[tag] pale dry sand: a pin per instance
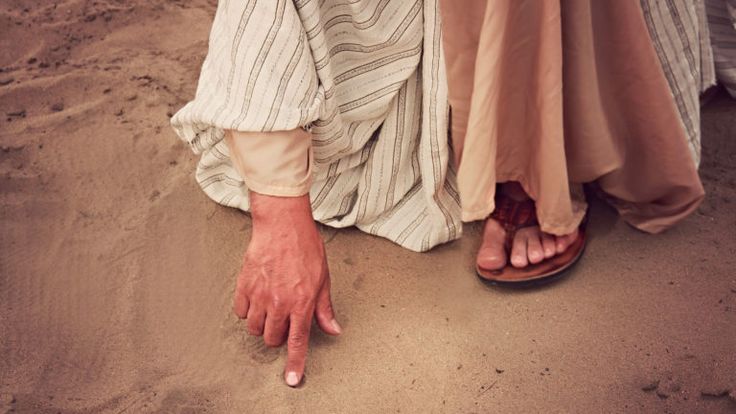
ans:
(117, 272)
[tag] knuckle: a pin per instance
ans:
(255, 330)
(305, 301)
(327, 306)
(241, 289)
(277, 302)
(272, 342)
(298, 340)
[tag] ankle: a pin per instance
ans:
(513, 190)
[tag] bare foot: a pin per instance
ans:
(530, 245)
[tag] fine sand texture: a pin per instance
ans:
(117, 273)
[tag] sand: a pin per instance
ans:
(116, 272)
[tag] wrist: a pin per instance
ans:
(266, 209)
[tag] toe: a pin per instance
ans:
(491, 258)
(492, 254)
(534, 248)
(548, 245)
(519, 251)
(563, 242)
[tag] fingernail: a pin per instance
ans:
(336, 326)
(292, 379)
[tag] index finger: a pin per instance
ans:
(299, 325)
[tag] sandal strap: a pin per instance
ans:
(513, 215)
(525, 214)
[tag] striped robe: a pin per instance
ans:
(679, 32)
(368, 78)
(722, 19)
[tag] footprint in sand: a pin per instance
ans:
(691, 381)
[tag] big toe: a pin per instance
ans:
(492, 253)
(491, 258)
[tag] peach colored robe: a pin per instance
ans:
(557, 93)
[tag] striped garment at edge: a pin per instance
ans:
(679, 32)
(368, 75)
(722, 19)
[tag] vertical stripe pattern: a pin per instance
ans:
(679, 32)
(368, 76)
(722, 21)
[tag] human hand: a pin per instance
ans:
(285, 280)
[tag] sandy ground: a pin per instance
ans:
(117, 272)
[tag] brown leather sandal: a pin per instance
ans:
(514, 215)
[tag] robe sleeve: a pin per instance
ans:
(259, 75)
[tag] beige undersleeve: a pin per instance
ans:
(273, 163)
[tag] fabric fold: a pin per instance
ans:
(367, 76)
(564, 93)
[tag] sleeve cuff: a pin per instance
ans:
(274, 163)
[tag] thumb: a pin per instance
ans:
(324, 312)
